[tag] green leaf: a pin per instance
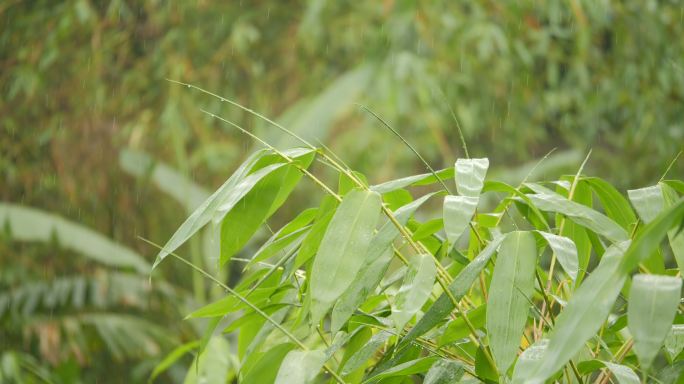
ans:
(674, 343)
(243, 216)
(509, 297)
(414, 290)
(30, 224)
(300, 367)
(675, 236)
(613, 202)
(444, 372)
(265, 366)
(457, 329)
(312, 241)
(584, 314)
(458, 211)
(343, 249)
(232, 190)
(459, 287)
(405, 369)
(358, 359)
(649, 238)
(623, 373)
(375, 265)
(470, 175)
(653, 301)
(648, 202)
(212, 365)
(548, 200)
(415, 180)
(565, 251)
(172, 358)
(528, 360)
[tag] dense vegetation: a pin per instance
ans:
(98, 150)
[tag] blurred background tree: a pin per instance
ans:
(91, 130)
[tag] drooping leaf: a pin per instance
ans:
(583, 315)
(674, 235)
(623, 373)
(212, 365)
(509, 297)
(422, 179)
(172, 358)
(459, 287)
(358, 359)
(30, 224)
(470, 175)
(565, 252)
(457, 329)
(414, 290)
(674, 342)
(458, 211)
(444, 371)
(528, 360)
(648, 202)
(233, 190)
(653, 301)
(375, 265)
(405, 369)
(312, 241)
(548, 200)
(242, 217)
(614, 203)
(265, 366)
(300, 367)
(343, 249)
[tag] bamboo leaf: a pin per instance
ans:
(674, 343)
(264, 368)
(358, 359)
(510, 291)
(623, 373)
(470, 175)
(584, 314)
(528, 360)
(300, 367)
(343, 249)
(613, 202)
(404, 369)
(458, 211)
(414, 291)
(415, 180)
(375, 265)
(649, 202)
(653, 301)
(457, 329)
(444, 372)
(565, 251)
(233, 189)
(548, 200)
(459, 287)
(674, 235)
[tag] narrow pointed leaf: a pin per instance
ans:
(343, 249)
(653, 301)
(614, 203)
(622, 373)
(458, 211)
(548, 200)
(300, 367)
(583, 315)
(459, 287)
(470, 175)
(414, 291)
(404, 369)
(648, 202)
(674, 343)
(205, 212)
(375, 265)
(358, 359)
(509, 297)
(565, 252)
(674, 235)
(422, 179)
(528, 361)
(444, 372)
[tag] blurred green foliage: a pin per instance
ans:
(83, 79)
